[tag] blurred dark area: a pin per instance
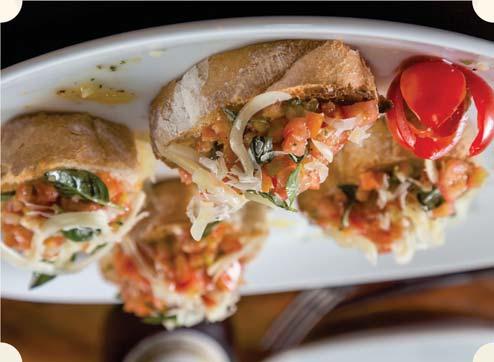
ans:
(45, 26)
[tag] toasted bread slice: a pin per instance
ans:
(328, 70)
(35, 143)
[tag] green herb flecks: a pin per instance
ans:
(38, 279)
(274, 199)
(159, 319)
(292, 185)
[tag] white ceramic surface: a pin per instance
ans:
(296, 255)
(453, 343)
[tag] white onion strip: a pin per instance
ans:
(255, 105)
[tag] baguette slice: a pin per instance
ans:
(35, 143)
(328, 70)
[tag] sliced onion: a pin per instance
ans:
(343, 125)
(359, 135)
(431, 171)
(324, 149)
(319, 167)
(255, 105)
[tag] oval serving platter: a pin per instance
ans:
(297, 255)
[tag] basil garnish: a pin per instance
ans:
(274, 199)
(72, 182)
(292, 185)
(79, 234)
(350, 192)
(159, 319)
(430, 199)
(7, 195)
(296, 159)
(231, 114)
(262, 149)
(38, 279)
(209, 228)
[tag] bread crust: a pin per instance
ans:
(35, 143)
(304, 68)
(167, 203)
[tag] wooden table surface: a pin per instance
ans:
(61, 333)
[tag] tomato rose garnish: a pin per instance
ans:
(430, 98)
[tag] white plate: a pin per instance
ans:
(452, 342)
(296, 256)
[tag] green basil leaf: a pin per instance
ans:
(38, 279)
(79, 234)
(430, 199)
(274, 199)
(292, 185)
(262, 149)
(7, 195)
(231, 114)
(209, 228)
(159, 319)
(72, 182)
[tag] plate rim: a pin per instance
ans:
(234, 28)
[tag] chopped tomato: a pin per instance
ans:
(267, 182)
(314, 123)
(16, 236)
(39, 193)
(185, 177)
(367, 111)
(477, 177)
(115, 187)
(230, 277)
(453, 178)
(295, 135)
(230, 244)
(444, 210)
(371, 180)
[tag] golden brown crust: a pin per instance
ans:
(35, 143)
(304, 68)
(167, 202)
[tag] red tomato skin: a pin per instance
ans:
(422, 86)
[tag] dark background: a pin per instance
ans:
(44, 26)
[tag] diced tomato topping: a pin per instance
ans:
(229, 279)
(185, 177)
(295, 135)
(371, 180)
(16, 236)
(444, 210)
(230, 244)
(453, 178)
(115, 187)
(367, 111)
(477, 177)
(39, 193)
(314, 123)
